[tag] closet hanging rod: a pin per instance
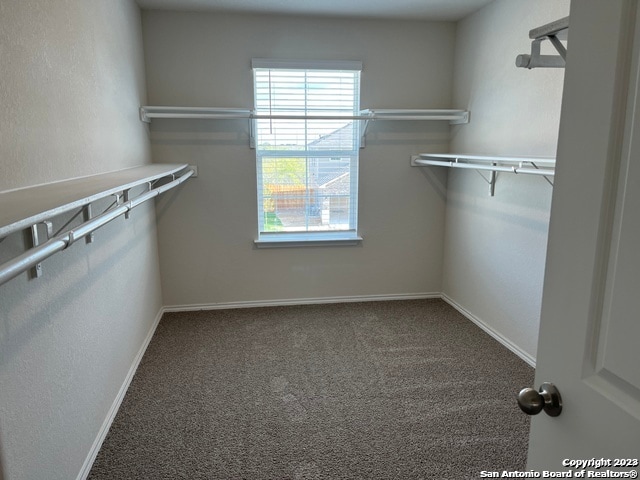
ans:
(493, 159)
(509, 159)
(480, 166)
(34, 256)
(149, 112)
(554, 32)
(490, 163)
(23, 207)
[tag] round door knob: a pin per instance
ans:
(548, 398)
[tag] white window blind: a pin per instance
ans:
(307, 165)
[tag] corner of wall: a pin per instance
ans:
(495, 247)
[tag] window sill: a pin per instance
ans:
(280, 240)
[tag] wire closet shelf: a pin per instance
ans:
(32, 209)
(541, 166)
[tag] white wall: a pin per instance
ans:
(495, 246)
(207, 232)
(71, 82)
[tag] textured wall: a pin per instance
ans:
(495, 247)
(206, 235)
(71, 81)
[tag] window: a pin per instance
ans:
(307, 166)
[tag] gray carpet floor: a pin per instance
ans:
(376, 390)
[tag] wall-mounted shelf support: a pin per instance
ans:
(491, 181)
(125, 199)
(454, 117)
(554, 32)
(493, 164)
(36, 270)
(26, 208)
(87, 214)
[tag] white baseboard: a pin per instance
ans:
(359, 298)
(111, 415)
(489, 330)
(299, 301)
(93, 453)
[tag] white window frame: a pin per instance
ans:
(348, 236)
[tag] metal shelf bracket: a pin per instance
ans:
(554, 32)
(36, 270)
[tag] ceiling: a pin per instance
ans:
(440, 10)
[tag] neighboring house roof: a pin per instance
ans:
(339, 185)
(329, 171)
(340, 139)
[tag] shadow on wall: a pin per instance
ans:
(437, 178)
(191, 132)
(165, 201)
(428, 134)
(236, 132)
(533, 215)
(14, 337)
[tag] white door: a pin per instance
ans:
(589, 343)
